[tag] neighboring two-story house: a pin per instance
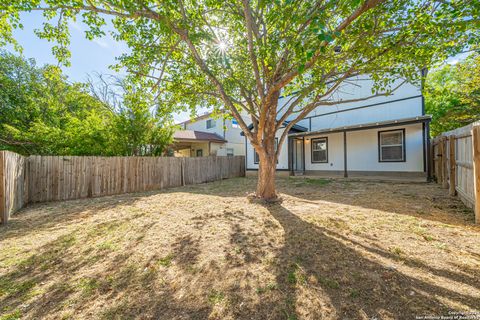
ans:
(385, 135)
(207, 135)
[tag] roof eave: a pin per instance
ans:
(367, 126)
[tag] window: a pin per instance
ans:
(199, 153)
(229, 151)
(211, 123)
(235, 124)
(320, 150)
(256, 158)
(391, 146)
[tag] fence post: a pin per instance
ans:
(3, 207)
(476, 170)
(452, 164)
(444, 164)
(440, 160)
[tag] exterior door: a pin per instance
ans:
(298, 155)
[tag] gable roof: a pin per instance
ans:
(192, 135)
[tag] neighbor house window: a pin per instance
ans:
(211, 123)
(235, 123)
(391, 145)
(320, 150)
(199, 153)
(229, 151)
(256, 158)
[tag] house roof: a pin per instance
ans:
(365, 126)
(294, 129)
(191, 135)
(207, 114)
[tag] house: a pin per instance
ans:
(385, 135)
(208, 135)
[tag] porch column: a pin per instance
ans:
(290, 155)
(303, 154)
(345, 172)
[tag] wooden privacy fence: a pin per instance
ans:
(456, 164)
(51, 178)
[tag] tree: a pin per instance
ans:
(141, 127)
(243, 55)
(452, 95)
(42, 113)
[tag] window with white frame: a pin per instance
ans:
(256, 157)
(391, 145)
(320, 150)
(229, 151)
(211, 123)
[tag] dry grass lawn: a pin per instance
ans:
(330, 250)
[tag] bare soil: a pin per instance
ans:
(329, 250)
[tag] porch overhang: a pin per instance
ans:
(187, 144)
(300, 136)
(366, 126)
(183, 139)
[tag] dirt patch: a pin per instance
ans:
(329, 250)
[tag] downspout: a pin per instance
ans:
(345, 170)
(426, 132)
(303, 154)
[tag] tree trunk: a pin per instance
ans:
(266, 177)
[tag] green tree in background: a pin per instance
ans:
(452, 95)
(138, 132)
(42, 113)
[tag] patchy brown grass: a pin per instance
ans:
(330, 250)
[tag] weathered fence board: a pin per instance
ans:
(56, 178)
(457, 164)
(13, 184)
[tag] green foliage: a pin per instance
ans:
(210, 54)
(42, 113)
(242, 55)
(452, 95)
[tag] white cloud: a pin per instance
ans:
(75, 25)
(101, 43)
(453, 62)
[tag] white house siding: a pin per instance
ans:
(362, 145)
(335, 153)
(388, 111)
(282, 160)
(405, 102)
(362, 150)
(225, 129)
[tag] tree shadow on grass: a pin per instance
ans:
(323, 277)
(411, 199)
(53, 215)
(59, 277)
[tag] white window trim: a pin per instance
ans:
(313, 150)
(213, 122)
(381, 146)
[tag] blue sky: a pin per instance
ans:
(88, 56)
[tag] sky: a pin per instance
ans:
(88, 57)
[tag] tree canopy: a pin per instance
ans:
(244, 54)
(452, 95)
(42, 113)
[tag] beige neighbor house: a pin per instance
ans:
(191, 143)
(208, 136)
